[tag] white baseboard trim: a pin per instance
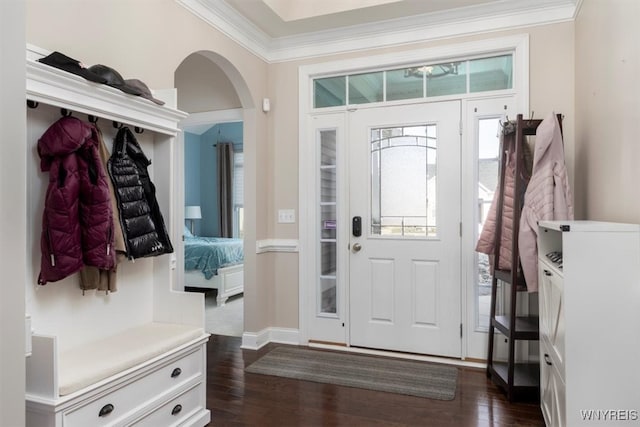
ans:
(257, 340)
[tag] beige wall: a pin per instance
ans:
(151, 45)
(608, 110)
(203, 86)
(551, 89)
(148, 40)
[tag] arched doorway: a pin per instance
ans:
(214, 93)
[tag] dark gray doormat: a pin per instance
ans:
(414, 378)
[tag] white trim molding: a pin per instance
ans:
(276, 245)
(490, 17)
(228, 21)
(257, 340)
(198, 123)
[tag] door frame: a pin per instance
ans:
(307, 156)
(475, 342)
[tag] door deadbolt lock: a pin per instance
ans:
(356, 247)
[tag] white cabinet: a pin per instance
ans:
(135, 356)
(589, 322)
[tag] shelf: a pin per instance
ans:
(505, 276)
(58, 88)
(526, 377)
(527, 327)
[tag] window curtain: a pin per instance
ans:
(225, 187)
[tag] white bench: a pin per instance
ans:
(149, 374)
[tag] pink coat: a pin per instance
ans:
(487, 240)
(548, 196)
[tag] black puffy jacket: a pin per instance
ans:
(144, 230)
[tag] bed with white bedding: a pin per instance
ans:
(214, 263)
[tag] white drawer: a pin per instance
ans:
(552, 390)
(177, 410)
(128, 399)
(551, 311)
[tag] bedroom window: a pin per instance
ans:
(238, 194)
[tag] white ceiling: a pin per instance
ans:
(274, 23)
(281, 30)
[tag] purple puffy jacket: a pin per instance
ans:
(77, 223)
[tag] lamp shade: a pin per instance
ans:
(192, 212)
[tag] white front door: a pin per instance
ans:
(404, 195)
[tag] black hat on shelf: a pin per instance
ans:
(70, 65)
(143, 90)
(112, 78)
(130, 86)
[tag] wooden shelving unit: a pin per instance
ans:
(518, 379)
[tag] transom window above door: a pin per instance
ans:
(456, 77)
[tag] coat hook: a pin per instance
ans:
(530, 118)
(117, 125)
(65, 112)
(32, 104)
(138, 129)
(93, 119)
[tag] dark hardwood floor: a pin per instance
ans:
(236, 398)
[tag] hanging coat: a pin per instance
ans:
(548, 196)
(142, 224)
(77, 222)
(93, 277)
(487, 241)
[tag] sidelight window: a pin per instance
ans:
(327, 283)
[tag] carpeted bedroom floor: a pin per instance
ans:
(226, 319)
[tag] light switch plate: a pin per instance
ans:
(286, 216)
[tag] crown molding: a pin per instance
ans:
(578, 6)
(415, 29)
(228, 21)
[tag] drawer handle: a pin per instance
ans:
(547, 273)
(176, 372)
(106, 410)
(547, 359)
(176, 409)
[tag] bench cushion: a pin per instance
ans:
(87, 364)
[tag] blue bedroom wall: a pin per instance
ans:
(192, 174)
(203, 153)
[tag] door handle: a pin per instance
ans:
(356, 247)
